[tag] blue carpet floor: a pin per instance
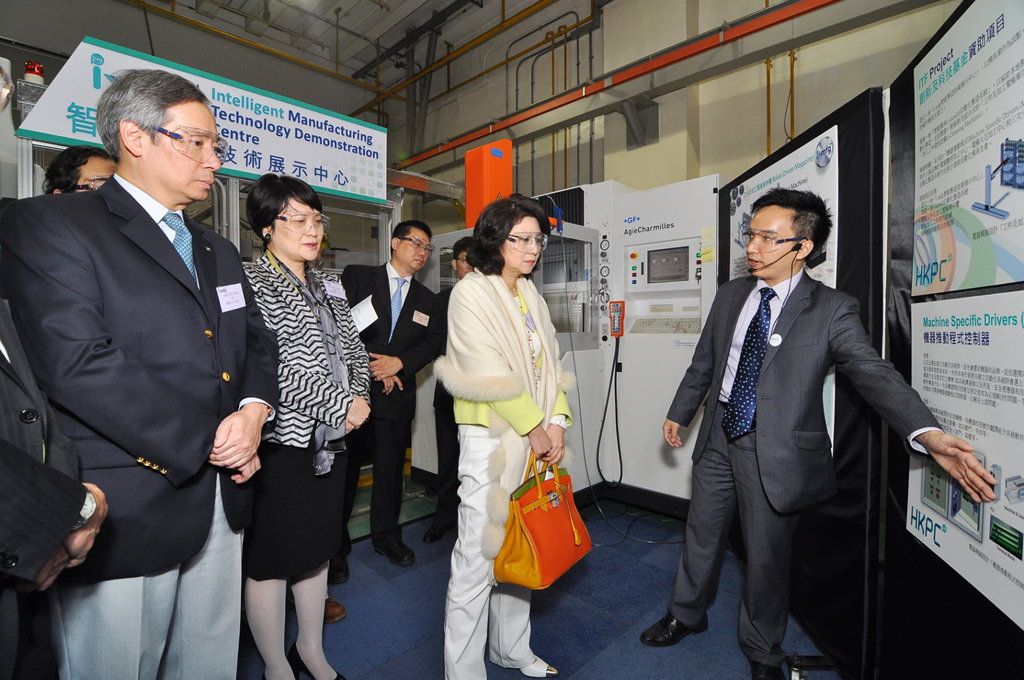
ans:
(587, 624)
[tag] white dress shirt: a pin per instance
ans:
(156, 210)
(782, 293)
(392, 275)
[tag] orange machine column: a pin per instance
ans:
(488, 176)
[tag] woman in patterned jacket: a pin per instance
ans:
(324, 383)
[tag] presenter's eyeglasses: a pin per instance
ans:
(302, 223)
(418, 244)
(528, 243)
(767, 241)
(91, 183)
(196, 144)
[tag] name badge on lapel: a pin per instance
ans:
(334, 289)
(231, 297)
(421, 318)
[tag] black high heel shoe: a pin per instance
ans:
(299, 667)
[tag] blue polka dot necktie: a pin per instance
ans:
(182, 240)
(396, 304)
(739, 414)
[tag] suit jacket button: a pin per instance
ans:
(29, 415)
(225, 376)
(10, 561)
(208, 333)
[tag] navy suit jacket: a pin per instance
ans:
(40, 495)
(414, 343)
(820, 328)
(141, 365)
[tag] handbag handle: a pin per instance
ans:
(531, 467)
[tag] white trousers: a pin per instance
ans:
(179, 624)
(477, 614)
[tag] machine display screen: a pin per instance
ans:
(668, 265)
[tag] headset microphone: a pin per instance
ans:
(796, 247)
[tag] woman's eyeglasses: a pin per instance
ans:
(300, 223)
(527, 244)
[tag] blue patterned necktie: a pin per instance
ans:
(182, 240)
(739, 414)
(396, 304)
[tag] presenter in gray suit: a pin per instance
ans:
(762, 447)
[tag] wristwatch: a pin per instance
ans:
(88, 508)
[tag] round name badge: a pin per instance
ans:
(775, 340)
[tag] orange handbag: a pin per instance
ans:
(544, 534)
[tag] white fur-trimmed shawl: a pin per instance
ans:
(488, 359)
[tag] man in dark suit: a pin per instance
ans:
(762, 447)
(445, 428)
(142, 330)
(404, 338)
(50, 518)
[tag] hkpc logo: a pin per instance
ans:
(926, 526)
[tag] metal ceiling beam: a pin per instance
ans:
(412, 37)
(735, 45)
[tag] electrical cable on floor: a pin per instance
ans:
(612, 383)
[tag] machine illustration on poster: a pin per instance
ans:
(970, 372)
(969, 143)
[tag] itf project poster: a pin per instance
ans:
(970, 372)
(266, 132)
(812, 167)
(969, 142)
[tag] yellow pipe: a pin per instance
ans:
(768, 106)
(792, 95)
(517, 55)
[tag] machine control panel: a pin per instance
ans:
(663, 266)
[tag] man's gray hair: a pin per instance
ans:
(143, 97)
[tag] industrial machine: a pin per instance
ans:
(629, 280)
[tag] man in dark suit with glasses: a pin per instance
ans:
(405, 337)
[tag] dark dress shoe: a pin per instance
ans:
(435, 533)
(399, 553)
(337, 572)
(299, 667)
(762, 671)
(334, 611)
(668, 631)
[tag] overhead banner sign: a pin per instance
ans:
(969, 153)
(969, 370)
(266, 132)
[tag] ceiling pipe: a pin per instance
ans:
(728, 34)
(456, 53)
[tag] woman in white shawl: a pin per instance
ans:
(502, 367)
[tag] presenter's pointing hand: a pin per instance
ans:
(670, 430)
(957, 458)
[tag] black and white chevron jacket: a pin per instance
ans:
(307, 393)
